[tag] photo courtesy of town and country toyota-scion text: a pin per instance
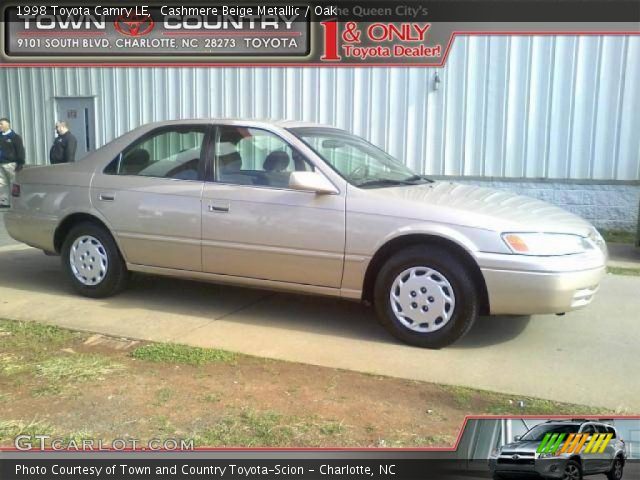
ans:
(320, 239)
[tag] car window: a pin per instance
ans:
(250, 156)
(356, 160)
(612, 431)
(169, 153)
(537, 433)
(601, 429)
(589, 428)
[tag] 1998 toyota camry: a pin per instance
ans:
(306, 208)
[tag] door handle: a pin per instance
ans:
(107, 197)
(219, 208)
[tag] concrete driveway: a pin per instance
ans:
(589, 357)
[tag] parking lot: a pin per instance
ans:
(587, 357)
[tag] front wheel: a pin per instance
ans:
(425, 297)
(616, 470)
(93, 262)
(572, 471)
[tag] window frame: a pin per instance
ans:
(210, 173)
(205, 150)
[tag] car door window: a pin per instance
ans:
(250, 156)
(588, 429)
(169, 153)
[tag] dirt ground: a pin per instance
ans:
(76, 386)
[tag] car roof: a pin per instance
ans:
(251, 121)
(577, 422)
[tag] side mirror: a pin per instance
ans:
(311, 182)
(517, 438)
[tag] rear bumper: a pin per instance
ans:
(527, 286)
(34, 230)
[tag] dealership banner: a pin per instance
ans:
(296, 33)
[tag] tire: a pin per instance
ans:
(617, 469)
(436, 279)
(572, 471)
(104, 273)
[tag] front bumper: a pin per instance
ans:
(524, 285)
(552, 467)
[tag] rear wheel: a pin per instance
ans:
(93, 262)
(424, 296)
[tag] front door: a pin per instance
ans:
(151, 195)
(79, 114)
(255, 226)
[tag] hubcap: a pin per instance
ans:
(571, 473)
(422, 299)
(88, 260)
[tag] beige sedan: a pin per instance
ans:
(305, 208)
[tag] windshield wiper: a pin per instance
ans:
(415, 178)
(383, 182)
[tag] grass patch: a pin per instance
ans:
(248, 429)
(499, 404)
(183, 354)
(212, 397)
(634, 272)
(10, 429)
(412, 440)
(78, 368)
(618, 236)
(331, 428)
(163, 396)
(33, 335)
(252, 428)
(11, 365)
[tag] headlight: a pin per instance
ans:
(496, 452)
(546, 244)
(546, 455)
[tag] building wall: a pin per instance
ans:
(542, 107)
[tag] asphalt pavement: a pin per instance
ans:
(590, 356)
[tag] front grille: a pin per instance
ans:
(522, 454)
(518, 461)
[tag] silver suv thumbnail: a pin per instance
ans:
(562, 449)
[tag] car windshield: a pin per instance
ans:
(537, 433)
(356, 160)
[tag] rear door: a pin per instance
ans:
(151, 196)
(589, 460)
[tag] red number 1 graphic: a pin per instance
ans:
(330, 42)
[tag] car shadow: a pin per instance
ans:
(30, 271)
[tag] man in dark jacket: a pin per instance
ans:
(11, 159)
(64, 146)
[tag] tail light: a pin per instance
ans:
(15, 190)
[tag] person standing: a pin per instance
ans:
(64, 146)
(11, 159)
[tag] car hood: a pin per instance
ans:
(482, 207)
(521, 447)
